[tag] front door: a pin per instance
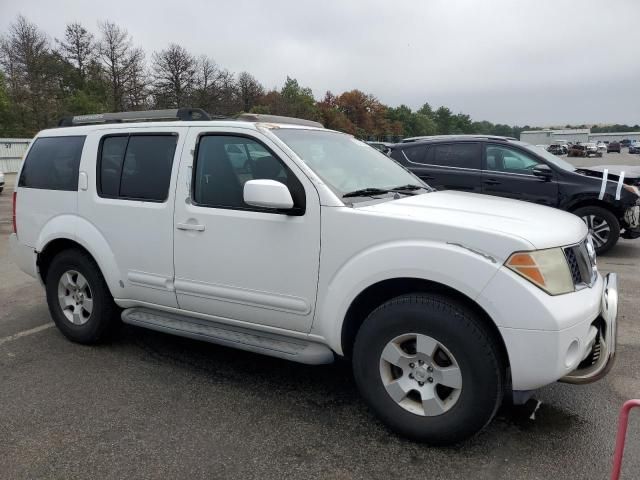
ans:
(233, 261)
(508, 172)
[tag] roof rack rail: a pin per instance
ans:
(140, 116)
(260, 117)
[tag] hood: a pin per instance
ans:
(532, 225)
(631, 173)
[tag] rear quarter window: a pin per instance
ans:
(53, 163)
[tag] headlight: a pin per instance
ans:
(547, 269)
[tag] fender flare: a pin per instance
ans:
(65, 227)
(442, 263)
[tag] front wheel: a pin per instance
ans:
(603, 226)
(427, 367)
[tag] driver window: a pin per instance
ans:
(224, 163)
(504, 159)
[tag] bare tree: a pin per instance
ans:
(174, 76)
(78, 48)
(250, 90)
(26, 58)
(137, 88)
(118, 58)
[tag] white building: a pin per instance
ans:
(11, 153)
(547, 137)
(614, 136)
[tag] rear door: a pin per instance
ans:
(508, 172)
(456, 166)
(129, 198)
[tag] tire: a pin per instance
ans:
(462, 342)
(94, 314)
(594, 217)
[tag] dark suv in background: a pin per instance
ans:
(613, 147)
(510, 168)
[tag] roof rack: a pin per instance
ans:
(260, 117)
(142, 116)
(183, 114)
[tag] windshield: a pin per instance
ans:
(549, 157)
(345, 163)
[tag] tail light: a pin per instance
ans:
(15, 201)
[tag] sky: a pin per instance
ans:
(522, 62)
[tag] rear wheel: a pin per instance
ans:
(426, 366)
(79, 300)
(603, 226)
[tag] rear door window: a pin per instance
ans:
(53, 163)
(416, 154)
(458, 155)
(136, 167)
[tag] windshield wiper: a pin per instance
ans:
(366, 192)
(408, 187)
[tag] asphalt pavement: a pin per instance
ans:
(149, 405)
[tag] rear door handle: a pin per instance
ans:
(491, 181)
(190, 226)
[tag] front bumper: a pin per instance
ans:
(548, 338)
(632, 218)
(601, 354)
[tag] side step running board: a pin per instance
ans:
(237, 337)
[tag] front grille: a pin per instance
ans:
(573, 265)
(581, 264)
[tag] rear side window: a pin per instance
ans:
(459, 155)
(415, 154)
(136, 167)
(53, 163)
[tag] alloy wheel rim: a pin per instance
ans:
(75, 297)
(599, 229)
(420, 374)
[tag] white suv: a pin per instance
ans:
(279, 237)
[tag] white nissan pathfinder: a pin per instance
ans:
(277, 236)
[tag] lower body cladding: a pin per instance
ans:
(577, 352)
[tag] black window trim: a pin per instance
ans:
(296, 211)
(129, 135)
(20, 178)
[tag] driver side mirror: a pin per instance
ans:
(267, 194)
(544, 171)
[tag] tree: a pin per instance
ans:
(174, 76)
(443, 119)
(78, 48)
(297, 101)
(249, 90)
(27, 60)
(118, 58)
(332, 117)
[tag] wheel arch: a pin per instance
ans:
(380, 292)
(52, 242)
(592, 202)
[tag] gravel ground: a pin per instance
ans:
(149, 405)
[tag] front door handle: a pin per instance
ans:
(190, 226)
(491, 181)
